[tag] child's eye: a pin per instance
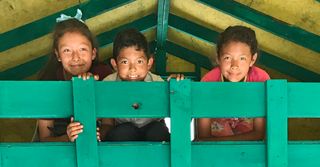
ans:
(83, 49)
(226, 58)
(123, 62)
(140, 61)
(243, 58)
(66, 51)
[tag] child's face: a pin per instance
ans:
(235, 60)
(75, 53)
(132, 64)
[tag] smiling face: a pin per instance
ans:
(75, 52)
(132, 64)
(235, 60)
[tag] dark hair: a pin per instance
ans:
(128, 38)
(71, 25)
(238, 34)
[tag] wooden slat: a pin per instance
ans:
(115, 99)
(84, 112)
(277, 123)
(180, 114)
(33, 99)
(303, 100)
(228, 99)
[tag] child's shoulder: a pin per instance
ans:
(111, 77)
(257, 74)
(154, 77)
(213, 75)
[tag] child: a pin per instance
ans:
(75, 53)
(132, 61)
(237, 51)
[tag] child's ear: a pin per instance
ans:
(150, 63)
(94, 53)
(254, 59)
(114, 64)
(57, 55)
(217, 60)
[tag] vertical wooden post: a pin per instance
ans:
(277, 123)
(84, 112)
(162, 29)
(180, 110)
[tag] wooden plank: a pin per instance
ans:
(303, 100)
(277, 123)
(180, 113)
(162, 30)
(134, 154)
(84, 112)
(245, 99)
(115, 99)
(37, 154)
(32, 99)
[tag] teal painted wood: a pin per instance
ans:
(84, 112)
(115, 99)
(36, 29)
(180, 114)
(134, 154)
(37, 154)
(24, 70)
(268, 23)
(227, 99)
(180, 152)
(162, 29)
(142, 154)
(32, 99)
(277, 138)
(230, 154)
(188, 55)
(303, 100)
(141, 24)
(192, 28)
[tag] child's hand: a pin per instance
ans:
(87, 75)
(73, 129)
(98, 135)
(177, 76)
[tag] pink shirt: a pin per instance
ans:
(255, 74)
(233, 126)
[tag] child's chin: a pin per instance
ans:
(133, 79)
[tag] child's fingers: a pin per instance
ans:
(96, 77)
(181, 77)
(71, 119)
(73, 138)
(98, 136)
(75, 132)
(178, 77)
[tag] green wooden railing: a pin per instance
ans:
(276, 100)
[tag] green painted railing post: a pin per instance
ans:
(277, 123)
(180, 110)
(84, 112)
(162, 29)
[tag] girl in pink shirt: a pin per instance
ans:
(237, 51)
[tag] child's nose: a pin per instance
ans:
(75, 56)
(234, 64)
(132, 67)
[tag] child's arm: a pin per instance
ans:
(258, 132)
(106, 125)
(45, 133)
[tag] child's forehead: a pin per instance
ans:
(131, 53)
